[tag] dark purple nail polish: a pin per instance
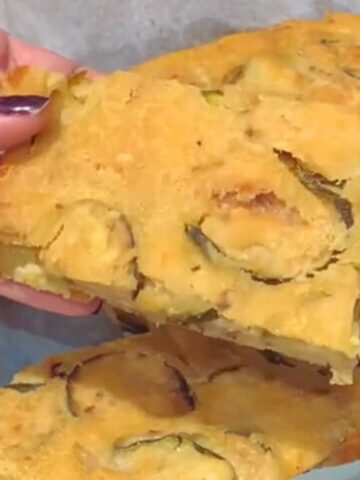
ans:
(21, 105)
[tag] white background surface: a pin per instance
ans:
(110, 34)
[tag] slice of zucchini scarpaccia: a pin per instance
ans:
(139, 278)
(319, 185)
(183, 387)
(234, 75)
(134, 268)
(213, 97)
(24, 387)
(167, 392)
(316, 183)
(352, 72)
(182, 455)
(356, 316)
(70, 376)
(221, 371)
(203, 317)
(211, 250)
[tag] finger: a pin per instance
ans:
(4, 50)
(21, 117)
(22, 53)
(46, 301)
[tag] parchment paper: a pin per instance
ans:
(109, 34)
(118, 33)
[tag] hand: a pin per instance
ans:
(20, 119)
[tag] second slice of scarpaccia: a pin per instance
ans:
(153, 196)
(173, 404)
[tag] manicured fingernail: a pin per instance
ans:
(21, 105)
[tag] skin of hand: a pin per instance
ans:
(20, 119)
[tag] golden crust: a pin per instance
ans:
(169, 202)
(316, 60)
(75, 415)
(304, 47)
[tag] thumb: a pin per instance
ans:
(21, 117)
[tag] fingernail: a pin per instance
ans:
(22, 105)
